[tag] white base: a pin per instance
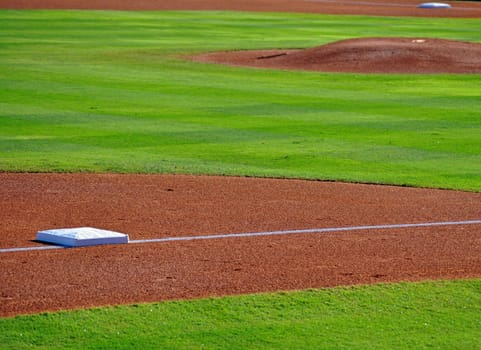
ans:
(434, 5)
(81, 237)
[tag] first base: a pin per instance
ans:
(434, 5)
(81, 237)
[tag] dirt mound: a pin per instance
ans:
(365, 55)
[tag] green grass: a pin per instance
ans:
(435, 315)
(104, 91)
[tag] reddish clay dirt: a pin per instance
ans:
(370, 7)
(154, 206)
(366, 55)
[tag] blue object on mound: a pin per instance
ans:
(81, 237)
(434, 5)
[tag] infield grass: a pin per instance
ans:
(105, 91)
(437, 315)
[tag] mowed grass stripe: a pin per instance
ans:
(105, 91)
(440, 315)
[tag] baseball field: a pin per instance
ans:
(291, 174)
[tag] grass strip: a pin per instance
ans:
(438, 315)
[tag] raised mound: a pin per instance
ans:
(365, 55)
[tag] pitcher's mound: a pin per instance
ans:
(366, 55)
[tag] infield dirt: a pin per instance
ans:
(366, 55)
(155, 206)
(463, 9)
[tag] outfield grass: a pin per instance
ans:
(440, 315)
(104, 91)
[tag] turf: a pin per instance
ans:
(105, 91)
(400, 316)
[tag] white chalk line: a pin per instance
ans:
(27, 249)
(267, 233)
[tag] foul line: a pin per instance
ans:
(313, 230)
(27, 249)
(267, 233)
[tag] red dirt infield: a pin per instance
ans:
(463, 9)
(155, 206)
